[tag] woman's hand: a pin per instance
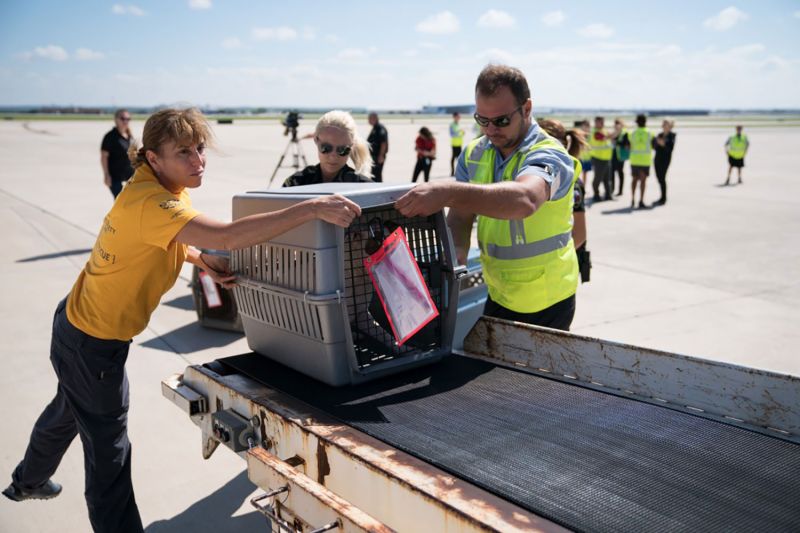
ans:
(218, 268)
(336, 209)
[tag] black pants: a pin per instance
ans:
(557, 316)
(453, 158)
(116, 187)
(377, 172)
(423, 165)
(617, 168)
(602, 175)
(661, 166)
(91, 401)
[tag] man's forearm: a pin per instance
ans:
(507, 200)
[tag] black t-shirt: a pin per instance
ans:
(377, 136)
(313, 174)
(119, 166)
(578, 193)
(664, 152)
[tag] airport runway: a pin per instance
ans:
(714, 274)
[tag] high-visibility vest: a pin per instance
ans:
(641, 147)
(528, 264)
(456, 134)
(737, 146)
(601, 149)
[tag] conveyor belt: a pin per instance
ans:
(584, 459)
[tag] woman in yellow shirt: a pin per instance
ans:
(143, 242)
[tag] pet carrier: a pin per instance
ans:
(307, 301)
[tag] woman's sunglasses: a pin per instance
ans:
(326, 148)
(499, 122)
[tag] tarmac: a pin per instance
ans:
(713, 273)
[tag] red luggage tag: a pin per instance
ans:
(400, 286)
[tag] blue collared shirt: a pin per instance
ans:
(553, 166)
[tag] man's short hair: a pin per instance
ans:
(641, 120)
(493, 77)
(600, 118)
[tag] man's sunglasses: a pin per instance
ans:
(125, 119)
(325, 148)
(499, 122)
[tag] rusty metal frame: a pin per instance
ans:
(395, 488)
(759, 400)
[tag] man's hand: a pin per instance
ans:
(422, 200)
(107, 180)
(336, 209)
(219, 269)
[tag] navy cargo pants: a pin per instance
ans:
(91, 401)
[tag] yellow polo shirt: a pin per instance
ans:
(134, 261)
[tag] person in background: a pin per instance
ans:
(337, 140)
(150, 231)
(586, 154)
(114, 160)
(574, 141)
(736, 146)
(378, 146)
(664, 144)
(600, 141)
(456, 141)
(641, 157)
(621, 153)
(425, 146)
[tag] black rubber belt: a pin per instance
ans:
(584, 459)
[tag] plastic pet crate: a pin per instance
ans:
(307, 301)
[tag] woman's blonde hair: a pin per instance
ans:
(343, 120)
(181, 126)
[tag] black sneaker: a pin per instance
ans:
(49, 490)
(642, 206)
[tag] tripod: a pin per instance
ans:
(296, 149)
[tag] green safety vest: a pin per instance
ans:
(737, 146)
(456, 134)
(600, 149)
(528, 264)
(641, 147)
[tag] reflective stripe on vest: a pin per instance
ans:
(601, 149)
(528, 264)
(641, 147)
(524, 250)
(737, 146)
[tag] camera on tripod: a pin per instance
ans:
(291, 122)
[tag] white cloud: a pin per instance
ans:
(231, 43)
(553, 18)
(353, 54)
(430, 46)
(725, 19)
(280, 33)
(51, 52)
(440, 23)
(496, 19)
(796, 14)
(331, 38)
(85, 54)
(130, 9)
(597, 31)
(200, 4)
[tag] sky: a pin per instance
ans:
(399, 55)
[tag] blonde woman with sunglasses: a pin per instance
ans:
(337, 143)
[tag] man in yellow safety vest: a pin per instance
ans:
(736, 146)
(519, 182)
(601, 151)
(456, 141)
